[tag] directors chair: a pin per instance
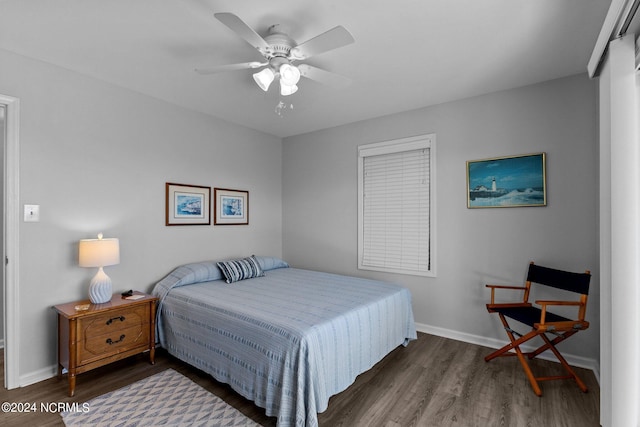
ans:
(541, 321)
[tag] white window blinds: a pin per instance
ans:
(396, 205)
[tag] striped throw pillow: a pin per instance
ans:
(240, 269)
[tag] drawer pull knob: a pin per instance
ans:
(111, 342)
(120, 318)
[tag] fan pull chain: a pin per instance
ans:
(281, 108)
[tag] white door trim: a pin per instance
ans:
(11, 246)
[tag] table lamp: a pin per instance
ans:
(99, 253)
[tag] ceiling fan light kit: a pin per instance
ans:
(264, 78)
(289, 75)
(280, 52)
(286, 90)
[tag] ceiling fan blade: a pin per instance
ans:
(332, 39)
(322, 76)
(230, 67)
(243, 30)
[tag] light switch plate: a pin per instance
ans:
(31, 213)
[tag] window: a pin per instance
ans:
(396, 209)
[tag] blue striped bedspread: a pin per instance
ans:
(288, 340)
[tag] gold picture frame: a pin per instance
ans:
(507, 182)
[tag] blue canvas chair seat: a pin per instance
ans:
(529, 315)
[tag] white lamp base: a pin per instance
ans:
(100, 288)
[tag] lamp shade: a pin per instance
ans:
(264, 78)
(289, 75)
(98, 252)
(286, 89)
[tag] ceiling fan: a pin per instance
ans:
(281, 52)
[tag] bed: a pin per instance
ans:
(287, 339)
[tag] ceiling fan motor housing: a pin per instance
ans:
(280, 43)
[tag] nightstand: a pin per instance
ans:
(93, 335)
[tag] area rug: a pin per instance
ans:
(164, 399)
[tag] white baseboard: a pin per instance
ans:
(573, 360)
(39, 375)
(579, 361)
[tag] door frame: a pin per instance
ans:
(11, 224)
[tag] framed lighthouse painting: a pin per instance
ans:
(507, 182)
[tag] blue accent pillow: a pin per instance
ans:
(240, 269)
(271, 263)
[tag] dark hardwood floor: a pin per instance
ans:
(432, 382)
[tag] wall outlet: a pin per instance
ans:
(31, 213)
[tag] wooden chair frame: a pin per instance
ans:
(561, 329)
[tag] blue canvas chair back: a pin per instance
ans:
(573, 282)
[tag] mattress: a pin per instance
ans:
(288, 340)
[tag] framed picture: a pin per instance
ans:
(187, 204)
(231, 207)
(507, 182)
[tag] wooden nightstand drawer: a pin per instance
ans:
(97, 347)
(113, 321)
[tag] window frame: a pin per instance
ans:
(426, 141)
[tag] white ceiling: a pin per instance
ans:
(408, 53)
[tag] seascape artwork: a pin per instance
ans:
(188, 205)
(507, 182)
(232, 207)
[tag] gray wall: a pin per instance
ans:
(96, 159)
(474, 246)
